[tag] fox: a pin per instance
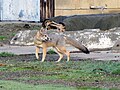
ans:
(43, 40)
(50, 24)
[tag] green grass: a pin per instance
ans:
(11, 85)
(3, 38)
(5, 54)
(51, 51)
(12, 34)
(73, 71)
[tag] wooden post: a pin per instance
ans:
(42, 10)
(49, 8)
(46, 9)
(52, 9)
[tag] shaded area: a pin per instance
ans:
(93, 21)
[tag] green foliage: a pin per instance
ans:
(91, 88)
(3, 37)
(10, 85)
(13, 34)
(73, 71)
(5, 54)
(116, 71)
(51, 51)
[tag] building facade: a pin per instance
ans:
(73, 7)
(38, 10)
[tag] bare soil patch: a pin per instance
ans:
(9, 29)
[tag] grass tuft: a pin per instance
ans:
(51, 51)
(3, 37)
(5, 54)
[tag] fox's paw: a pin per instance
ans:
(67, 61)
(41, 61)
(57, 61)
(37, 58)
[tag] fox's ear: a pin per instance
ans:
(44, 22)
(62, 23)
(38, 34)
(42, 31)
(43, 25)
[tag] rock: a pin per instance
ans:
(91, 38)
(93, 21)
(26, 26)
(116, 46)
(95, 38)
(24, 37)
(1, 44)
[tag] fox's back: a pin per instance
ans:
(57, 38)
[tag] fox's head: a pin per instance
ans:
(42, 36)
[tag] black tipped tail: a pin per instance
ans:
(77, 45)
(85, 50)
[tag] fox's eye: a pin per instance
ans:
(45, 35)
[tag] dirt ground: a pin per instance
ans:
(7, 31)
(15, 75)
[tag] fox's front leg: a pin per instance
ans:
(36, 52)
(44, 54)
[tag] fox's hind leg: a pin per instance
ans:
(59, 53)
(61, 56)
(68, 55)
(62, 50)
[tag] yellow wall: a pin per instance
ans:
(73, 7)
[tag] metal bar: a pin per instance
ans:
(0, 10)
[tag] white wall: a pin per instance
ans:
(25, 10)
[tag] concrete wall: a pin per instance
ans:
(24, 10)
(92, 38)
(72, 7)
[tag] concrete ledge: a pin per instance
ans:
(91, 38)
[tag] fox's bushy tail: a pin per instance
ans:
(77, 45)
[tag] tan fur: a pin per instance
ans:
(58, 42)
